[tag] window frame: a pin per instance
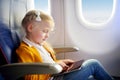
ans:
(88, 24)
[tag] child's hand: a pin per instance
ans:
(63, 65)
(66, 63)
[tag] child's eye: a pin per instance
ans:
(45, 31)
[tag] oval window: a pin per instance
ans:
(95, 13)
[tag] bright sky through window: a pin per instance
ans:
(42, 5)
(95, 12)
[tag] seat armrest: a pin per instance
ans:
(65, 49)
(17, 70)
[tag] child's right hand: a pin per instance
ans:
(63, 65)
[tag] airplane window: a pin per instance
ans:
(95, 12)
(42, 5)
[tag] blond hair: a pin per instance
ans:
(31, 16)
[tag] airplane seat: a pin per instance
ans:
(9, 68)
(11, 14)
(8, 45)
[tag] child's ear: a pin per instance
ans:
(29, 28)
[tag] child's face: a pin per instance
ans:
(40, 32)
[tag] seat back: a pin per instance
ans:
(9, 41)
(11, 14)
(10, 26)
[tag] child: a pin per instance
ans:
(34, 48)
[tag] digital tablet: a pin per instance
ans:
(75, 65)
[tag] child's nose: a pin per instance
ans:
(47, 35)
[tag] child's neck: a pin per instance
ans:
(29, 38)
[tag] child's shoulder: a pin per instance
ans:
(24, 45)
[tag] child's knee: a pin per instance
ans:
(91, 62)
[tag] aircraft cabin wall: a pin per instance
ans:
(102, 44)
(12, 12)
